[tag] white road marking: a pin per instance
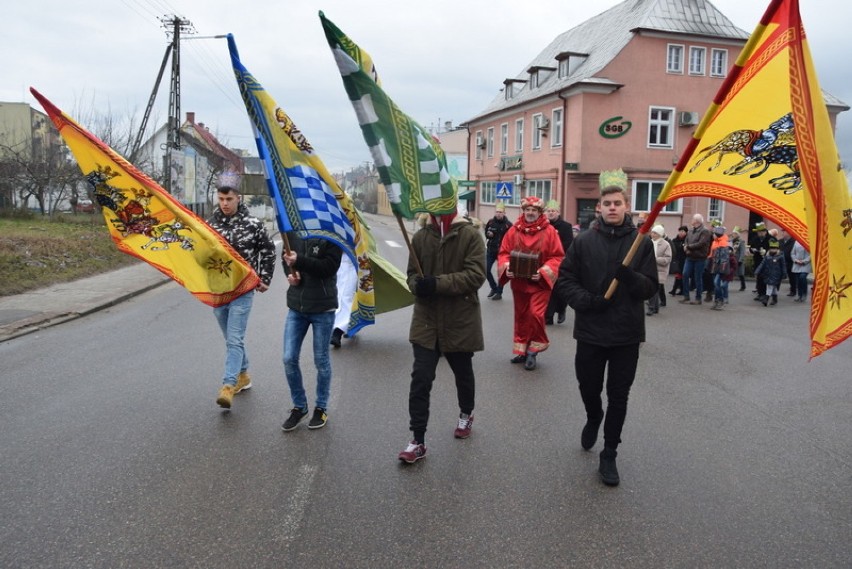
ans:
(392, 243)
(297, 504)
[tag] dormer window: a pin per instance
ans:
(538, 75)
(569, 61)
(509, 89)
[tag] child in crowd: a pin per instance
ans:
(773, 269)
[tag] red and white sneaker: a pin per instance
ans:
(413, 452)
(465, 425)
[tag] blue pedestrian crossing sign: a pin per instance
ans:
(504, 190)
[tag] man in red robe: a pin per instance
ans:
(533, 233)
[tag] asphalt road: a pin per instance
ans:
(736, 450)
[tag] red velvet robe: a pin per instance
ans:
(531, 297)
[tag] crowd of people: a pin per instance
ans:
(610, 279)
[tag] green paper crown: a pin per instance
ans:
(613, 179)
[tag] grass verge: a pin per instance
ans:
(40, 251)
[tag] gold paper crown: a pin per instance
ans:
(552, 204)
(613, 179)
(716, 223)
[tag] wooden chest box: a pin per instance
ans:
(524, 264)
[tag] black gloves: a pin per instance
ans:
(425, 286)
(599, 303)
(625, 275)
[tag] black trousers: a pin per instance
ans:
(423, 376)
(554, 306)
(620, 364)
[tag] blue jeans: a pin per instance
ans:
(721, 287)
(233, 320)
(295, 329)
(490, 259)
(693, 274)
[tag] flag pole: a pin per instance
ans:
(408, 243)
(643, 232)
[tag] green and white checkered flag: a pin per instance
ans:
(411, 164)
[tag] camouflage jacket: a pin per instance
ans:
(249, 238)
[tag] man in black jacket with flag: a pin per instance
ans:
(608, 331)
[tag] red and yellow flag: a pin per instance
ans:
(766, 144)
(148, 223)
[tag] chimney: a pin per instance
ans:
(448, 126)
(190, 117)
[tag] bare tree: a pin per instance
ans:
(49, 177)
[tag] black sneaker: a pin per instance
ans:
(590, 434)
(336, 335)
(319, 419)
(560, 318)
(296, 415)
(607, 469)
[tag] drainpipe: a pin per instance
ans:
(476, 207)
(561, 169)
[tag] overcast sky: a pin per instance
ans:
(440, 61)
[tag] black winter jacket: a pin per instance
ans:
(317, 261)
(497, 229)
(248, 236)
(586, 273)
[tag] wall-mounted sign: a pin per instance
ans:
(467, 183)
(512, 162)
(614, 127)
(572, 166)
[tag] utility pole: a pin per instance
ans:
(174, 26)
(178, 25)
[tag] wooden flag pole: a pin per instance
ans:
(649, 222)
(408, 243)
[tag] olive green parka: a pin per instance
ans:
(449, 320)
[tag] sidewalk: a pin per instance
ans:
(24, 313)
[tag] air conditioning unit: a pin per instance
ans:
(544, 124)
(688, 118)
(481, 144)
(519, 179)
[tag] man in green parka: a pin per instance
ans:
(446, 320)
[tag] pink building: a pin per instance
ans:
(625, 89)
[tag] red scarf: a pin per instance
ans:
(522, 226)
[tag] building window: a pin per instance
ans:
(519, 135)
(508, 91)
(660, 128)
(486, 192)
(504, 138)
(489, 142)
(479, 145)
(536, 140)
(719, 62)
(538, 188)
(534, 80)
(564, 68)
(674, 60)
(556, 128)
(716, 209)
(697, 57)
(645, 194)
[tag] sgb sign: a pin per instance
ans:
(612, 128)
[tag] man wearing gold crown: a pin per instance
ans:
(608, 331)
(531, 238)
(248, 236)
